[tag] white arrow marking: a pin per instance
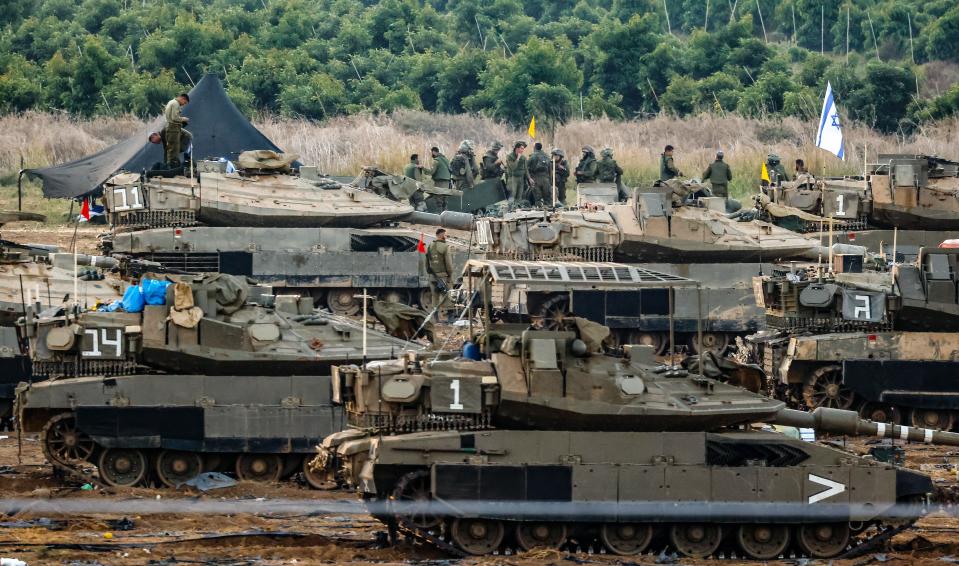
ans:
(832, 488)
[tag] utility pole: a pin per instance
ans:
(873, 30)
(822, 29)
(668, 26)
(760, 10)
(706, 23)
(847, 33)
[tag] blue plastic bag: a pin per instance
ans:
(132, 300)
(154, 291)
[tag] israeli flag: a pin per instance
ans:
(830, 132)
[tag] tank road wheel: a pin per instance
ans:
(342, 301)
(63, 443)
(477, 536)
(626, 539)
(554, 313)
(881, 413)
(824, 388)
(259, 467)
(426, 299)
(655, 339)
(825, 540)
(696, 540)
(712, 342)
(400, 296)
(175, 467)
(931, 418)
(412, 496)
(122, 467)
(763, 542)
(317, 478)
(540, 535)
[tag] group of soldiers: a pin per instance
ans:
(529, 178)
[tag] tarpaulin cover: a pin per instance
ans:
(218, 128)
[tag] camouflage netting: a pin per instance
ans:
(265, 159)
(403, 321)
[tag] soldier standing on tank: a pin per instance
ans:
(719, 175)
(414, 171)
(463, 167)
(174, 129)
(439, 264)
(539, 169)
(608, 171)
(561, 166)
(492, 165)
(587, 168)
(516, 172)
(440, 173)
(801, 168)
(775, 167)
(668, 169)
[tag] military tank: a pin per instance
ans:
(547, 442)
(213, 374)
(32, 274)
(882, 343)
(301, 234)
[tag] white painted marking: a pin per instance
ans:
(881, 430)
(904, 433)
(928, 436)
(832, 488)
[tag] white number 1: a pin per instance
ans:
(839, 205)
(456, 405)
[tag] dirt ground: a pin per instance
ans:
(134, 535)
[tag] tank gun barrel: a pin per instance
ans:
(838, 421)
(446, 219)
(65, 260)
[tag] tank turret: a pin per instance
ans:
(914, 192)
(549, 440)
(230, 376)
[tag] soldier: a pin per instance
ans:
(801, 167)
(439, 264)
(586, 169)
(516, 172)
(463, 167)
(174, 129)
(774, 166)
(562, 173)
(719, 175)
(440, 173)
(414, 171)
(668, 169)
(608, 171)
(492, 166)
(539, 170)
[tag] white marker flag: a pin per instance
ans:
(830, 132)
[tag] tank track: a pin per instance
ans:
(440, 539)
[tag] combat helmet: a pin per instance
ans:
(496, 145)
(589, 149)
(607, 152)
(772, 158)
(520, 143)
(466, 145)
(558, 151)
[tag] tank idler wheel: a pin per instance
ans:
(763, 542)
(825, 388)
(342, 301)
(174, 467)
(554, 313)
(122, 467)
(716, 342)
(824, 540)
(426, 299)
(477, 536)
(400, 296)
(695, 540)
(411, 497)
(626, 539)
(259, 467)
(64, 443)
(931, 418)
(881, 413)
(540, 535)
(655, 339)
(317, 478)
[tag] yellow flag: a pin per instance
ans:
(765, 174)
(532, 127)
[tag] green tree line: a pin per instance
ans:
(506, 58)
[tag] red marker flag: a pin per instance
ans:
(420, 246)
(85, 208)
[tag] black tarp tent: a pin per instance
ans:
(218, 128)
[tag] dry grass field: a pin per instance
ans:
(343, 145)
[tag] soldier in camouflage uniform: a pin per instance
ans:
(539, 169)
(440, 173)
(439, 264)
(492, 166)
(414, 171)
(587, 168)
(668, 169)
(463, 167)
(174, 131)
(719, 175)
(608, 171)
(775, 168)
(516, 172)
(562, 173)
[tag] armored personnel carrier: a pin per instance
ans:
(882, 343)
(213, 374)
(546, 440)
(298, 233)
